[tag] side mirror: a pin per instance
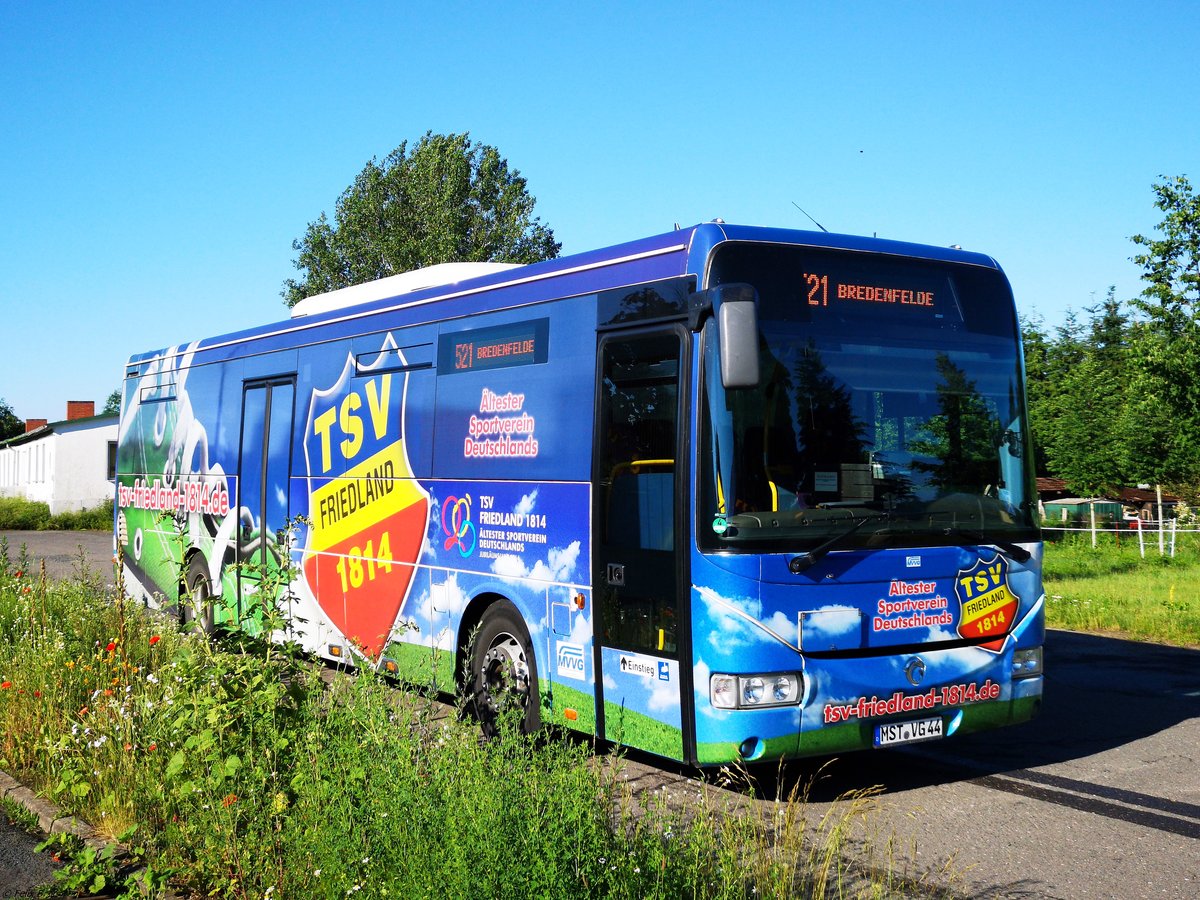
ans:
(738, 326)
(736, 309)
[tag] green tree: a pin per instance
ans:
(10, 425)
(1038, 347)
(112, 405)
(1090, 450)
(1087, 449)
(1049, 360)
(444, 200)
(1076, 382)
(1166, 344)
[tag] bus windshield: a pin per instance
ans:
(889, 411)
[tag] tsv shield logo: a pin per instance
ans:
(987, 602)
(367, 511)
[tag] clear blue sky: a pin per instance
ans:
(158, 159)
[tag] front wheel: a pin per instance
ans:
(504, 672)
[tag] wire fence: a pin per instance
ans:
(1162, 536)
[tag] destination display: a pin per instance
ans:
(518, 344)
(876, 291)
(821, 290)
(818, 293)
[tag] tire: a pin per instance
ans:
(504, 672)
(196, 606)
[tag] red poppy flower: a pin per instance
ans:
(152, 747)
(154, 640)
(229, 800)
(111, 647)
(4, 686)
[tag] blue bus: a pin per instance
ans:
(727, 493)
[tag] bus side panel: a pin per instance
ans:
(515, 395)
(176, 465)
(511, 501)
(526, 542)
(408, 525)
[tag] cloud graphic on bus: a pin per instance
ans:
(581, 628)
(737, 622)
(664, 695)
(559, 565)
(453, 599)
(525, 507)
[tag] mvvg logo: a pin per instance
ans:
(570, 660)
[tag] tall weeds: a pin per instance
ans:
(250, 775)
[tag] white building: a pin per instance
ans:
(69, 465)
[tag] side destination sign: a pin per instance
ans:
(497, 347)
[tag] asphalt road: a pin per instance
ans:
(1099, 797)
(65, 553)
(22, 871)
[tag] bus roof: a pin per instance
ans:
(461, 289)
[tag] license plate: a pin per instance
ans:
(894, 733)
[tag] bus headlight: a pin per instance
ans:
(1027, 662)
(755, 691)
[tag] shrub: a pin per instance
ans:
(19, 514)
(97, 518)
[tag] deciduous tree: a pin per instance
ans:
(1077, 381)
(446, 199)
(10, 425)
(1166, 344)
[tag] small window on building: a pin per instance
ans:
(112, 461)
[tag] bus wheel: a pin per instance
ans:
(504, 672)
(196, 605)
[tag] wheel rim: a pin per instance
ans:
(504, 675)
(197, 607)
(204, 610)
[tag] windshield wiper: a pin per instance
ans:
(1016, 551)
(804, 561)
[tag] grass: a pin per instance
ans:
(246, 774)
(1112, 589)
(19, 816)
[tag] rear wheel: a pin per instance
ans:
(196, 605)
(504, 672)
